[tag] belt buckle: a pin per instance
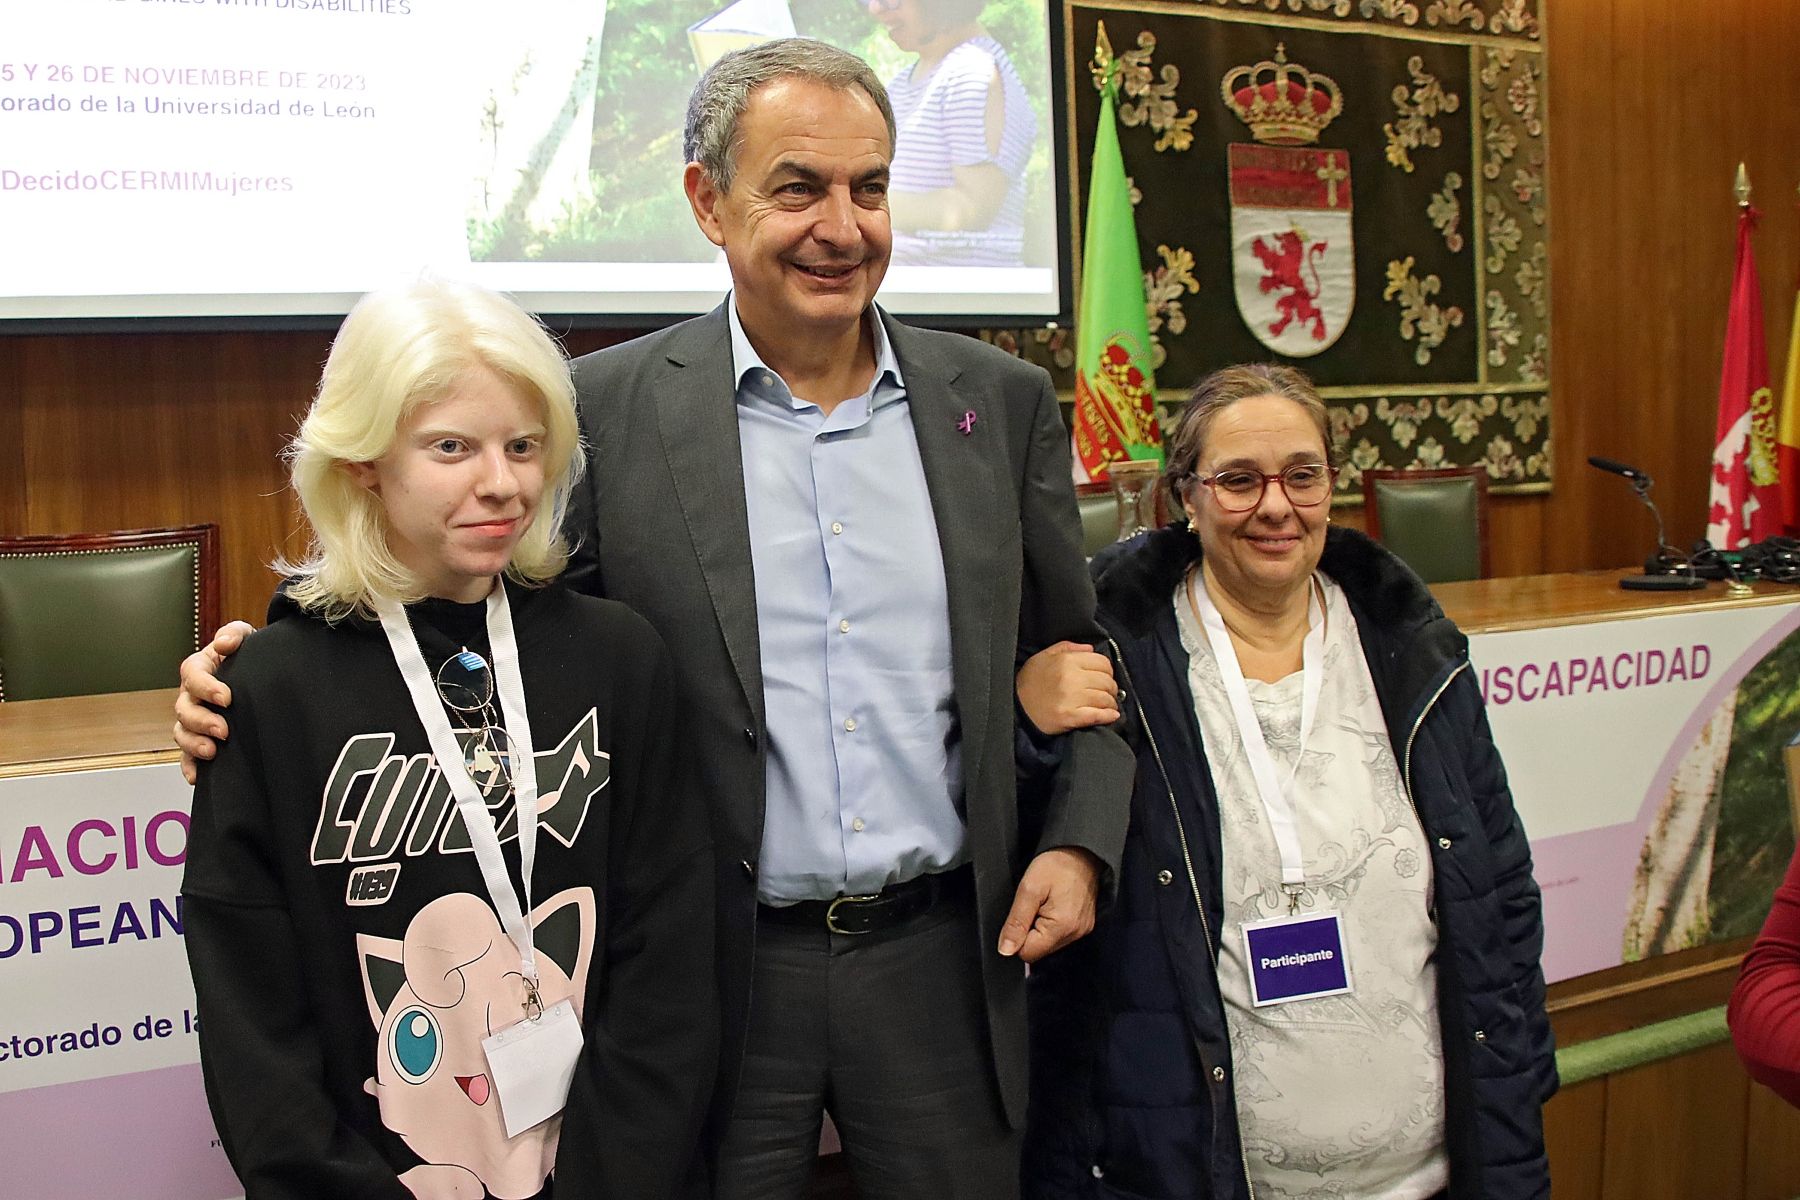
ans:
(831, 914)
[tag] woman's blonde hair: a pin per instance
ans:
(399, 349)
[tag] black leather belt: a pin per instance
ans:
(893, 904)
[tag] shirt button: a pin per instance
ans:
(857, 824)
(843, 626)
(1098, 1173)
(849, 724)
(1218, 1074)
(1443, 843)
(837, 527)
(1165, 877)
(768, 380)
(1481, 1035)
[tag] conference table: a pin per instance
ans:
(82, 733)
(1604, 703)
(1579, 597)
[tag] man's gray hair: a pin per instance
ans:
(711, 134)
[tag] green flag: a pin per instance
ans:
(1115, 387)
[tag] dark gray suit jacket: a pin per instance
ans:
(662, 526)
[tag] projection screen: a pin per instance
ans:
(199, 159)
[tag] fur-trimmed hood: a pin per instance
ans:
(1134, 579)
(1403, 628)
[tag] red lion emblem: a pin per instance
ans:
(1283, 265)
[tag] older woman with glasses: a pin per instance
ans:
(1321, 975)
(449, 887)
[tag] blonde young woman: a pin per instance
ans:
(448, 893)
(1321, 975)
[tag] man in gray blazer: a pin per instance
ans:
(847, 561)
(850, 533)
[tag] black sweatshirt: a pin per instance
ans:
(344, 947)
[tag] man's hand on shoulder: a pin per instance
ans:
(199, 730)
(1054, 904)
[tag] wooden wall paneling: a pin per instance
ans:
(1619, 147)
(1575, 1136)
(1642, 151)
(125, 430)
(132, 430)
(1675, 1129)
(1680, 176)
(273, 379)
(1625, 326)
(1516, 532)
(12, 437)
(1583, 150)
(1771, 1147)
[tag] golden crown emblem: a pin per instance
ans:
(1283, 103)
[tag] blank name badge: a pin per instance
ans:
(1296, 958)
(532, 1064)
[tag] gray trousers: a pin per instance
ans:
(888, 1032)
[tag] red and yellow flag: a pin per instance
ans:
(1746, 502)
(1787, 446)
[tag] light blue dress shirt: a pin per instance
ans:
(864, 745)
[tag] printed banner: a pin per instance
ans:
(1645, 758)
(100, 1091)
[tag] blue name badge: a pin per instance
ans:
(1296, 958)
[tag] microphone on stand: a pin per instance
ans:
(1618, 468)
(1640, 484)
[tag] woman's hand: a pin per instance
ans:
(1067, 686)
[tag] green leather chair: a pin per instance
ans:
(1435, 520)
(1099, 516)
(104, 612)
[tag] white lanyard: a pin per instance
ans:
(1277, 795)
(510, 688)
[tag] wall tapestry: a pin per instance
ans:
(1354, 187)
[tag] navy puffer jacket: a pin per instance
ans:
(1132, 1094)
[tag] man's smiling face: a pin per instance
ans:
(804, 225)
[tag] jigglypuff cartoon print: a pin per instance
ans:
(433, 997)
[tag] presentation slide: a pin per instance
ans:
(217, 158)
